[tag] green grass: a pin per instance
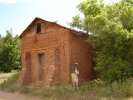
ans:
(94, 90)
(4, 76)
(9, 83)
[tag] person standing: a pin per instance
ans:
(74, 75)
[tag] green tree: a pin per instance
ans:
(10, 53)
(89, 9)
(1, 42)
(112, 36)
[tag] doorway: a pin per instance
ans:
(41, 66)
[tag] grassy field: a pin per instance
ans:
(4, 76)
(94, 90)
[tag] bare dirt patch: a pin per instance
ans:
(16, 96)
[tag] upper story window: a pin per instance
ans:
(38, 29)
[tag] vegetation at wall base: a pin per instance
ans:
(96, 90)
(9, 84)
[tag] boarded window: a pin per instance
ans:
(38, 30)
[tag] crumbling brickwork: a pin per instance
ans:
(51, 54)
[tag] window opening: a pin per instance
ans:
(38, 30)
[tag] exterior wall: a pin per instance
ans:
(81, 53)
(53, 43)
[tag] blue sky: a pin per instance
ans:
(18, 14)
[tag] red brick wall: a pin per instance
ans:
(61, 49)
(54, 44)
(81, 54)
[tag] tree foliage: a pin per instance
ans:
(111, 28)
(10, 53)
(1, 42)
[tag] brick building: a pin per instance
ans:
(48, 50)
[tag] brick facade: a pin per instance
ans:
(47, 56)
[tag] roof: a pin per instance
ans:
(36, 19)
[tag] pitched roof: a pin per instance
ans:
(36, 19)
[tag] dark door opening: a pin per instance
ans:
(41, 67)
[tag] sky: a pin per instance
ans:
(16, 15)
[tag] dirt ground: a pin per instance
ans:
(16, 96)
